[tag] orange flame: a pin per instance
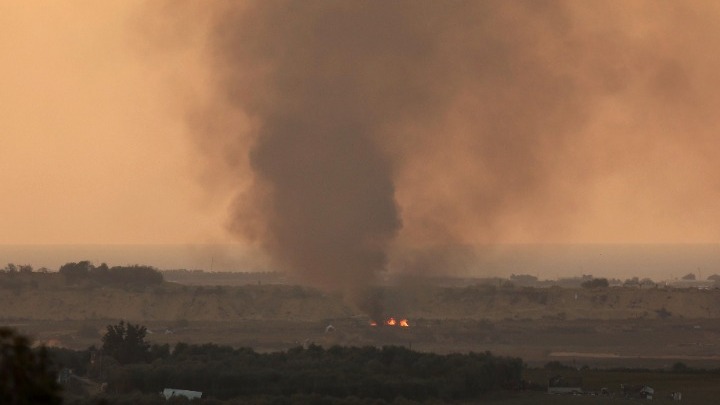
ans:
(403, 323)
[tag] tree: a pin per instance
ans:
(523, 279)
(126, 343)
(135, 275)
(25, 376)
(10, 268)
(25, 268)
(86, 272)
(74, 272)
(647, 281)
(689, 276)
(596, 283)
(632, 282)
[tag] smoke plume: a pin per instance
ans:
(353, 129)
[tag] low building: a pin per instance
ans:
(637, 391)
(172, 392)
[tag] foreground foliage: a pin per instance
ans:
(25, 375)
(345, 373)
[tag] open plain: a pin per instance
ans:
(660, 336)
(603, 327)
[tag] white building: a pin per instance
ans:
(171, 392)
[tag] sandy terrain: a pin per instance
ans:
(206, 303)
(603, 327)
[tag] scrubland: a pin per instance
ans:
(590, 330)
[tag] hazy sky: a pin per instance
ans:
(93, 147)
(98, 143)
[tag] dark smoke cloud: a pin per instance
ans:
(344, 94)
(355, 128)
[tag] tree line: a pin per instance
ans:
(362, 372)
(17, 277)
(131, 365)
(102, 274)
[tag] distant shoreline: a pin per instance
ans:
(549, 261)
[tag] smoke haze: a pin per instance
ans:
(353, 131)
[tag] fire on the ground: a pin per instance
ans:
(403, 323)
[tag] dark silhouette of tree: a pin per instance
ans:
(689, 276)
(85, 272)
(10, 268)
(647, 281)
(126, 343)
(386, 373)
(100, 273)
(74, 272)
(25, 376)
(523, 279)
(25, 268)
(632, 282)
(143, 275)
(595, 283)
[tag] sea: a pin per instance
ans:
(545, 261)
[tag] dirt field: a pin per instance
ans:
(45, 297)
(607, 327)
(588, 330)
(616, 343)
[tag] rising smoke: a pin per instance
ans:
(356, 128)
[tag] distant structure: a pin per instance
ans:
(699, 284)
(637, 391)
(64, 375)
(171, 392)
(565, 385)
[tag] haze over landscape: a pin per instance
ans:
(338, 138)
(359, 202)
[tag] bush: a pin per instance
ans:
(126, 343)
(595, 283)
(25, 376)
(338, 372)
(136, 275)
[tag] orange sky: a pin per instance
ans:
(93, 146)
(94, 143)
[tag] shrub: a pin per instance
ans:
(595, 283)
